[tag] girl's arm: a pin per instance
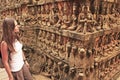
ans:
(25, 61)
(4, 52)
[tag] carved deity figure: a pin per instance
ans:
(39, 14)
(19, 12)
(118, 18)
(73, 19)
(113, 18)
(24, 12)
(81, 60)
(47, 12)
(47, 41)
(81, 18)
(106, 22)
(85, 20)
(114, 41)
(68, 49)
(99, 23)
(66, 18)
(43, 16)
(102, 46)
(30, 16)
(54, 16)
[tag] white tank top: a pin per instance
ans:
(16, 58)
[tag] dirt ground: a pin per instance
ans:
(40, 77)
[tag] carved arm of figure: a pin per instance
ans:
(51, 16)
(118, 18)
(57, 20)
(85, 27)
(96, 46)
(74, 23)
(58, 24)
(98, 23)
(111, 39)
(103, 45)
(47, 20)
(68, 49)
(90, 22)
(106, 22)
(116, 38)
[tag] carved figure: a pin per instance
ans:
(82, 53)
(99, 23)
(43, 16)
(86, 20)
(39, 15)
(55, 16)
(68, 49)
(66, 18)
(81, 20)
(73, 19)
(46, 15)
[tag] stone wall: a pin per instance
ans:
(69, 39)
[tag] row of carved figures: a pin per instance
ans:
(86, 68)
(65, 16)
(57, 69)
(107, 69)
(102, 44)
(83, 65)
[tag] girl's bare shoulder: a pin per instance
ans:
(3, 44)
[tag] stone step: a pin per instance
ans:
(40, 77)
(3, 74)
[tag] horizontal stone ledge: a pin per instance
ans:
(74, 34)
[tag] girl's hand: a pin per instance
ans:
(27, 64)
(11, 78)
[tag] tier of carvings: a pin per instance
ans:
(69, 39)
(99, 60)
(67, 15)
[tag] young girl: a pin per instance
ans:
(13, 57)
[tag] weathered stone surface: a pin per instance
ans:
(69, 39)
